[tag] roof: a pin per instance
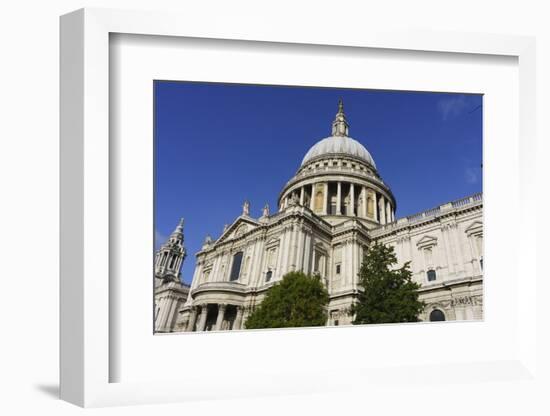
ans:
(339, 145)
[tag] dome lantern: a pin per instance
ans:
(339, 144)
(340, 126)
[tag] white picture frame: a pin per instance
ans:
(86, 353)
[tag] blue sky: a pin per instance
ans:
(219, 144)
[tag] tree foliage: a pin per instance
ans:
(297, 300)
(389, 295)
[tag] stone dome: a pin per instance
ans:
(339, 143)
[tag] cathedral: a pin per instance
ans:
(334, 207)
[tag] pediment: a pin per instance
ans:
(474, 228)
(426, 241)
(272, 242)
(241, 226)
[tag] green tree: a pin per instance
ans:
(389, 294)
(297, 300)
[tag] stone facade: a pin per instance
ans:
(329, 213)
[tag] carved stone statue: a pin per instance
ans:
(265, 211)
(246, 208)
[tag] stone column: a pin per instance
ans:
(457, 242)
(388, 211)
(172, 317)
(302, 196)
(352, 199)
(459, 313)
(472, 261)
(447, 249)
(364, 202)
(478, 308)
(338, 199)
(169, 304)
(300, 252)
(325, 198)
(280, 255)
(375, 205)
(312, 198)
(382, 210)
(202, 320)
(192, 319)
(294, 247)
(255, 264)
(349, 263)
(159, 322)
(285, 250)
(353, 256)
(238, 318)
(307, 253)
(219, 319)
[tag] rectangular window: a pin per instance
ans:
(236, 267)
(338, 268)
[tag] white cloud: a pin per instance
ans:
(453, 106)
(471, 175)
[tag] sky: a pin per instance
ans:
(217, 145)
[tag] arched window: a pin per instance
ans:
(173, 261)
(370, 206)
(437, 315)
(431, 275)
(236, 267)
(268, 275)
(318, 201)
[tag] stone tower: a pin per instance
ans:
(170, 257)
(170, 292)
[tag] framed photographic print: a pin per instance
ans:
(297, 213)
(321, 249)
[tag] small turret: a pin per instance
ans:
(170, 256)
